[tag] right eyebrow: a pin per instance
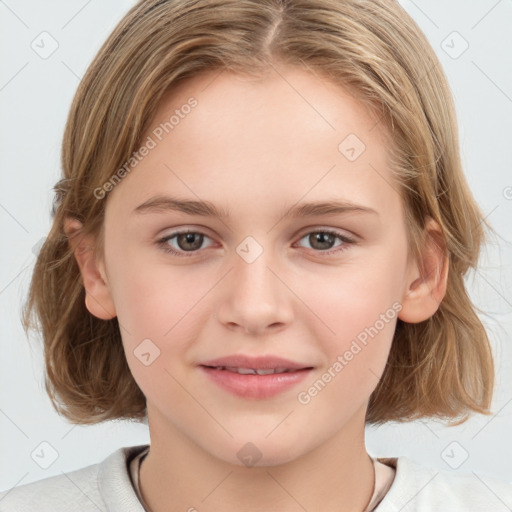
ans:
(159, 204)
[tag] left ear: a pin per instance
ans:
(427, 279)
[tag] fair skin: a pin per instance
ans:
(255, 148)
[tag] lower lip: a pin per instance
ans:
(255, 386)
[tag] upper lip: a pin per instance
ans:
(256, 363)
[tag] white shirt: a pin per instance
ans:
(107, 486)
(384, 476)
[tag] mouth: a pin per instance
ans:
(248, 364)
(253, 378)
(256, 371)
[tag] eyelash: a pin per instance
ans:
(162, 242)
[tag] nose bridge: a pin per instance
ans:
(255, 298)
(252, 276)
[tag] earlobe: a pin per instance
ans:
(98, 299)
(428, 278)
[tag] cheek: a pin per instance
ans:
(154, 308)
(362, 315)
(356, 308)
(354, 297)
(151, 297)
(161, 310)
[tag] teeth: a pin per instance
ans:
(266, 372)
(252, 371)
(244, 371)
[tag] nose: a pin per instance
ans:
(254, 298)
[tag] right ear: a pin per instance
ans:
(98, 299)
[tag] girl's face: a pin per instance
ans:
(272, 275)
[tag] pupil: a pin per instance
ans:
(325, 240)
(188, 238)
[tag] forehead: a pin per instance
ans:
(297, 100)
(278, 138)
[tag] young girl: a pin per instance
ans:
(259, 242)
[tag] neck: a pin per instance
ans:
(177, 474)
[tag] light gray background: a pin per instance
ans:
(35, 95)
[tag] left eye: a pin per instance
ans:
(191, 241)
(324, 240)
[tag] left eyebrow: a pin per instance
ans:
(160, 204)
(326, 208)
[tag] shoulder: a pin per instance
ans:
(98, 487)
(418, 488)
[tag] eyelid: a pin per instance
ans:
(346, 240)
(343, 233)
(304, 231)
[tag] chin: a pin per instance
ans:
(259, 452)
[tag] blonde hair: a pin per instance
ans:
(441, 367)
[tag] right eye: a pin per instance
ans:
(186, 241)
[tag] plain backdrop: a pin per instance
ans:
(473, 41)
